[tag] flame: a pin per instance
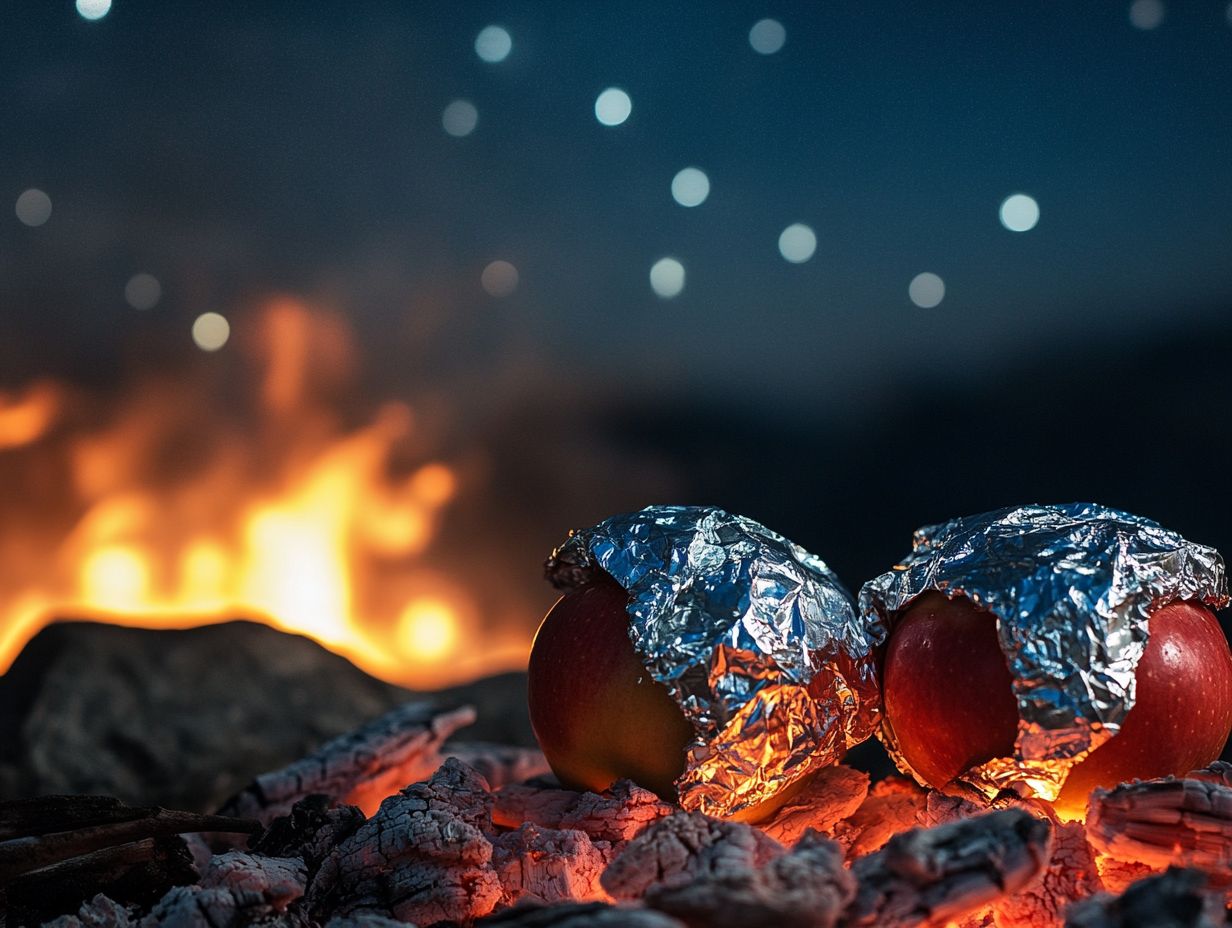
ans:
(179, 510)
(27, 417)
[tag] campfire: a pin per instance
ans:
(754, 818)
(479, 837)
(165, 508)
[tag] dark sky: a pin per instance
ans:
(232, 148)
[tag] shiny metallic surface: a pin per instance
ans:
(1072, 587)
(754, 637)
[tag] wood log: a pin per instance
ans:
(499, 764)
(137, 874)
(1070, 875)
(359, 768)
(313, 828)
(579, 915)
(615, 815)
(214, 907)
(892, 806)
(1116, 876)
(365, 920)
(1219, 772)
(425, 856)
(808, 887)
(279, 881)
(684, 847)
(939, 874)
(1164, 822)
(99, 912)
(46, 814)
(545, 866)
(1177, 898)
(95, 825)
(832, 795)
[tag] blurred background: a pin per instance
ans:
(339, 316)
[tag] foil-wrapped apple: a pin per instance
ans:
(701, 655)
(1051, 650)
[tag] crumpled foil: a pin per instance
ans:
(1071, 587)
(753, 636)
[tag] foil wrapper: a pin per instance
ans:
(754, 637)
(1072, 587)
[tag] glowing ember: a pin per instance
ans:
(192, 505)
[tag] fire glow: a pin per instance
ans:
(185, 503)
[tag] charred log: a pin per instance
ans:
(832, 795)
(578, 915)
(279, 881)
(945, 872)
(684, 847)
(312, 829)
(99, 912)
(1164, 822)
(1175, 899)
(1070, 875)
(808, 887)
(46, 814)
(78, 825)
(1218, 772)
(499, 764)
(137, 873)
(892, 806)
(424, 857)
(216, 907)
(545, 866)
(615, 815)
(365, 921)
(360, 768)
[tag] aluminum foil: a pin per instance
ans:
(753, 636)
(1071, 587)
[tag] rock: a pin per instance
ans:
(185, 718)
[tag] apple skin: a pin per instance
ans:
(598, 714)
(1182, 715)
(949, 698)
(946, 689)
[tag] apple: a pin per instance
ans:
(949, 699)
(597, 713)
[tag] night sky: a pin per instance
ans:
(231, 149)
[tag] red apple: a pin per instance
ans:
(949, 700)
(597, 712)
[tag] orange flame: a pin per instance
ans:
(177, 516)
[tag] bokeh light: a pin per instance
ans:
(690, 187)
(93, 9)
(1146, 14)
(493, 44)
(500, 278)
(926, 290)
(797, 243)
(767, 36)
(210, 331)
(33, 207)
(667, 278)
(613, 106)
(1019, 213)
(460, 118)
(143, 291)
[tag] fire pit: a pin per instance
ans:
(482, 837)
(404, 821)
